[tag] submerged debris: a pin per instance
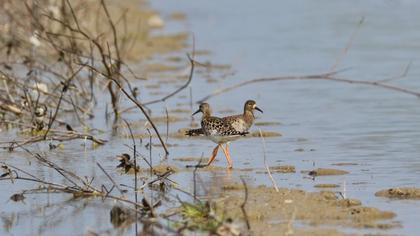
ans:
(121, 216)
(164, 168)
(283, 169)
(400, 193)
(279, 169)
(199, 216)
(17, 197)
(326, 185)
(265, 134)
(126, 163)
(325, 171)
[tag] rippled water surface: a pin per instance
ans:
(375, 128)
(321, 122)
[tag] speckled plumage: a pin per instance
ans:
(226, 129)
(223, 129)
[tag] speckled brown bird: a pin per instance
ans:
(226, 129)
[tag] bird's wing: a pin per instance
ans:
(194, 132)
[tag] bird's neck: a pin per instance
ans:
(249, 116)
(206, 114)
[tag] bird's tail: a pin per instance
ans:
(241, 133)
(194, 132)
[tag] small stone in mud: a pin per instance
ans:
(326, 185)
(299, 150)
(371, 213)
(400, 193)
(324, 171)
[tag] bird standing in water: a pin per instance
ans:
(224, 130)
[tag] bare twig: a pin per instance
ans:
(110, 178)
(150, 152)
(403, 73)
(348, 46)
(265, 162)
(141, 107)
(57, 136)
(326, 76)
(65, 88)
(135, 170)
(244, 204)
(167, 123)
(195, 177)
(179, 89)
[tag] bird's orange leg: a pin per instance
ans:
(226, 151)
(214, 154)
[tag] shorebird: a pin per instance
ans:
(224, 130)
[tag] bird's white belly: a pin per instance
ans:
(223, 139)
(240, 125)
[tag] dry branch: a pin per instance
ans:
(326, 76)
(141, 107)
(266, 165)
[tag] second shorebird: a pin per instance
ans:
(224, 130)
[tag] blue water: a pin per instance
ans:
(375, 128)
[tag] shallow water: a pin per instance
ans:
(372, 127)
(332, 122)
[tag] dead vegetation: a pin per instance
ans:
(59, 57)
(62, 59)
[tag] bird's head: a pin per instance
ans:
(204, 108)
(251, 105)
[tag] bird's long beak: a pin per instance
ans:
(196, 112)
(258, 109)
